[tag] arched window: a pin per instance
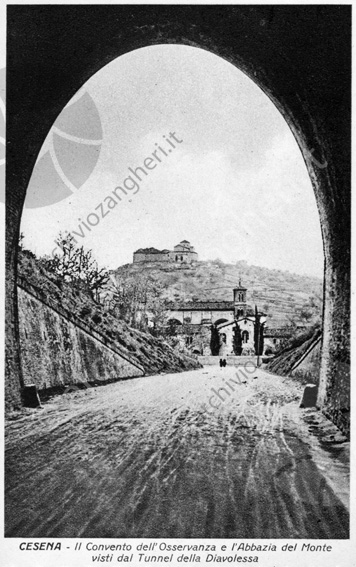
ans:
(245, 336)
(223, 338)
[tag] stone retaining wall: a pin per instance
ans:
(56, 351)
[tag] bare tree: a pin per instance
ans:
(77, 265)
(137, 300)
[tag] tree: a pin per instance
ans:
(262, 340)
(258, 333)
(237, 340)
(171, 328)
(77, 266)
(126, 296)
(138, 299)
(309, 312)
(214, 340)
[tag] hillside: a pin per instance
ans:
(293, 352)
(152, 353)
(278, 293)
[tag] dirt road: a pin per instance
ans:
(173, 456)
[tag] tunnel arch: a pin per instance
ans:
(308, 84)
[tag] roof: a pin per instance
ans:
(208, 306)
(278, 332)
(150, 251)
(201, 306)
(184, 242)
(232, 322)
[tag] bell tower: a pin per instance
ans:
(240, 306)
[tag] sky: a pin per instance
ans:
(234, 184)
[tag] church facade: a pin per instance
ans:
(193, 321)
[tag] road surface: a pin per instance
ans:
(173, 456)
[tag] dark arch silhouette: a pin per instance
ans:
(219, 321)
(309, 82)
(174, 321)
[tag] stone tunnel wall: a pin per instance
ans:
(300, 56)
(57, 352)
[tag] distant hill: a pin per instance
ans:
(279, 294)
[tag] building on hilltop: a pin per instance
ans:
(151, 255)
(183, 252)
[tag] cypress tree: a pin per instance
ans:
(258, 333)
(237, 342)
(214, 341)
(256, 336)
(261, 344)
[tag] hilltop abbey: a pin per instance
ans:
(183, 252)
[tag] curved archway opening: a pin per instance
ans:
(113, 163)
(232, 157)
(305, 122)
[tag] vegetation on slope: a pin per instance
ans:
(293, 351)
(154, 354)
(286, 298)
